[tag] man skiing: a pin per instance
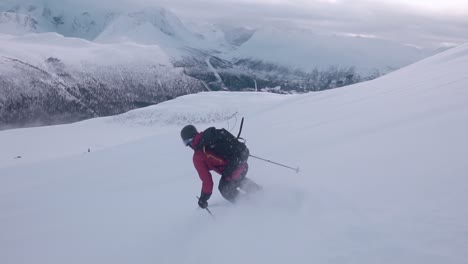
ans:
(218, 150)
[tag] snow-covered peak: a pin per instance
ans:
(15, 23)
(229, 34)
(154, 25)
(236, 35)
(85, 26)
(50, 17)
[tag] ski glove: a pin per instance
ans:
(203, 200)
(202, 204)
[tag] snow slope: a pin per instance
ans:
(383, 179)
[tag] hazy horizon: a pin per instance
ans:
(425, 24)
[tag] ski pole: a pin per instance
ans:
(208, 210)
(276, 163)
(240, 129)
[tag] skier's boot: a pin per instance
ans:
(249, 186)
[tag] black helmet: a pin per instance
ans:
(187, 134)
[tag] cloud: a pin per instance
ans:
(416, 22)
(407, 23)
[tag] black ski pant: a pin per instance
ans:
(228, 184)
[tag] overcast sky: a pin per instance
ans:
(425, 23)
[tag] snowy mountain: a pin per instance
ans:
(151, 26)
(305, 49)
(291, 45)
(14, 23)
(47, 16)
(48, 79)
(383, 178)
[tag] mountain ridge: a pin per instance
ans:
(64, 84)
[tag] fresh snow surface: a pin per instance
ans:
(383, 179)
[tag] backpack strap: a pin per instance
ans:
(202, 143)
(211, 156)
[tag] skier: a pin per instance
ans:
(218, 150)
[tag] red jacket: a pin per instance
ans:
(204, 162)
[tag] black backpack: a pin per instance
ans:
(225, 145)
